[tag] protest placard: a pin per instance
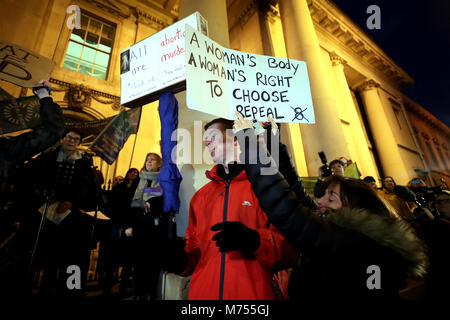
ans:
(23, 67)
(220, 81)
(156, 63)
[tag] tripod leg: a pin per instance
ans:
(41, 227)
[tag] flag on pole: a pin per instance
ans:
(111, 140)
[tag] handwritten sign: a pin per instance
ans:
(220, 81)
(156, 63)
(23, 67)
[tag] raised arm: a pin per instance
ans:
(20, 148)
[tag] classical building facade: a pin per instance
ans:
(433, 138)
(356, 88)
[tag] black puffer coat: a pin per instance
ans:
(339, 252)
(15, 150)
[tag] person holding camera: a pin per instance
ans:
(336, 167)
(436, 234)
(360, 251)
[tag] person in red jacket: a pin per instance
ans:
(232, 251)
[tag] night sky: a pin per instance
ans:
(416, 35)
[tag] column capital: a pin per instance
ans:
(336, 59)
(273, 13)
(368, 85)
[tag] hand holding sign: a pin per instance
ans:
(241, 123)
(42, 89)
(273, 125)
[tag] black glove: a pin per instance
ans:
(235, 235)
(177, 259)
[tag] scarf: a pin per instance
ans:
(54, 217)
(63, 157)
(139, 197)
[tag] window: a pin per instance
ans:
(398, 115)
(433, 156)
(89, 49)
(442, 158)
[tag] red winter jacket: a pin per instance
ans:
(232, 275)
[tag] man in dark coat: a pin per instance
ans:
(66, 171)
(15, 150)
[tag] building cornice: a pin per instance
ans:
(329, 18)
(414, 108)
(239, 12)
(113, 7)
(152, 19)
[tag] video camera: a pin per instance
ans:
(427, 195)
(326, 170)
(423, 198)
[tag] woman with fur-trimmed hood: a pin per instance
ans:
(357, 248)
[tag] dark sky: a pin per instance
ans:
(416, 35)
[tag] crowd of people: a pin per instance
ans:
(250, 235)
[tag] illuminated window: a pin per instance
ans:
(89, 49)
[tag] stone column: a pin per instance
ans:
(382, 133)
(302, 44)
(193, 172)
(365, 162)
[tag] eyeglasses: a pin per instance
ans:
(69, 138)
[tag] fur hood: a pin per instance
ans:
(394, 234)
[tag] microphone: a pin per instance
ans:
(405, 193)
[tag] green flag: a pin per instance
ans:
(111, 140)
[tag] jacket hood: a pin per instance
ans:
(397, 235)
(213, 175)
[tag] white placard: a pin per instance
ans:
(220, 81)
(156, 63)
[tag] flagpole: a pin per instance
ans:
(132, 152)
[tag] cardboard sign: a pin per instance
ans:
(220, 81)
(23, 67)
(156, 63)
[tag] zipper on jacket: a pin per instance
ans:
(222, 255)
